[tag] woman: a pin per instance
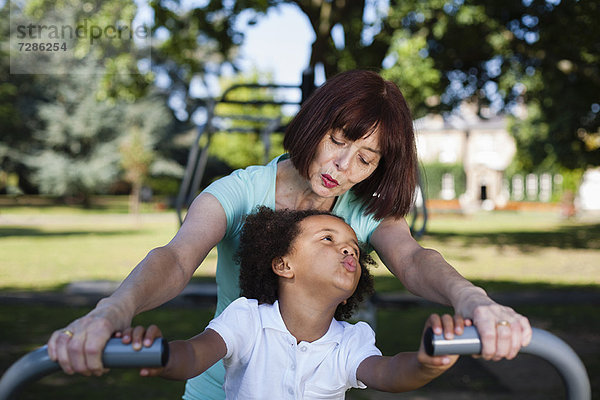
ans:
(351, 150)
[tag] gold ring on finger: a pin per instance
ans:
(67, 332)
(503, 323)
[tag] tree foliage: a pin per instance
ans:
(75, 152)
(62, 131)
(541, 53)
(18, 96)
(74, 149)
(213, 29)
(136, 157)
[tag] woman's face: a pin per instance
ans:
(341, 163)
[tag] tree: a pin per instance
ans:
(29, 94)
(19, 95)
(541, 53)
(136, 157)
(100, 34)
(196, 42)
(366, 40)
(440, 53)
(75, 152)
(146, 128)
(62, 130)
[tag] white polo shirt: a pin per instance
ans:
(263, 360)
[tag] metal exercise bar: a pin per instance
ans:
(37, 364)
(543, 344)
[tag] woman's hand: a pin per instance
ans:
(449, 326)
(425, 273)
(78, 347)
(502, 330)
(138, 337)
(159, 277)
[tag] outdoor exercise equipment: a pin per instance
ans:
(543, 344)
(218, 121)
(37, 364)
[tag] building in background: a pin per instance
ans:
(483, 146)
(588, 196)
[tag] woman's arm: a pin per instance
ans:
(159, 277)
(424, 272)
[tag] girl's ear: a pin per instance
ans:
(281, 268)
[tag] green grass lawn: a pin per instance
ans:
(49, 247)
(524, 247)
(43, 249)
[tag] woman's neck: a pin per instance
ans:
(293, 191)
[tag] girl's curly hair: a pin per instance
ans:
(268, 235)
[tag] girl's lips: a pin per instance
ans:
(328, 181)
(349, 263)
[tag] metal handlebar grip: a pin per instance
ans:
(36, 364)
(467, 343)
(543, 344)
(119, 355)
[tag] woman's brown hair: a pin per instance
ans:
(358, 103)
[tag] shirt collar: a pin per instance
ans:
(271, 319)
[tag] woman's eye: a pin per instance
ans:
(328, 238)
(336, 141)
(364, 161)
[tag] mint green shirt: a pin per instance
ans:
(240, 193)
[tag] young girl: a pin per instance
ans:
(301, 273)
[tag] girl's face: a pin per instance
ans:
(341, 163)
(324, 257)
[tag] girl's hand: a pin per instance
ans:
(449, 326)
(140, 336)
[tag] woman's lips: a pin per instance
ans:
(328, 181)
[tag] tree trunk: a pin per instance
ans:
(134, 197)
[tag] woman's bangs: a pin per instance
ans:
(359, 123)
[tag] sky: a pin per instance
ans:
(279, 43)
